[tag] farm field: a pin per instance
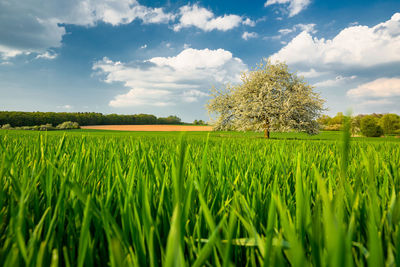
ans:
(151, 128)
(119, 198)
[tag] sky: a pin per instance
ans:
(163, 57)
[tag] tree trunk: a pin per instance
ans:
(266, 129)
(266, 133)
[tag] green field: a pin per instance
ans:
(105, 198)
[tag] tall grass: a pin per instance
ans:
(78, 200)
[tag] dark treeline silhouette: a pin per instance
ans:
(18, 118)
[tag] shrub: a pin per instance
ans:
(67, 125)
(389, 123)
(199, 122)
(6, 127)
(333, 127)
(370, 127)
(46, 127)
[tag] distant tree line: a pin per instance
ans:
(18, 118)
(367, 125)
(199, 122)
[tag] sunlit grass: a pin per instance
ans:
(90, 198)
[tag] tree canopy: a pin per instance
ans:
(19, 118)
(269, 98)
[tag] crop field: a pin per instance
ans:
(151, 128)
(103, 198)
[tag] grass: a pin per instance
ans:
(90, 198)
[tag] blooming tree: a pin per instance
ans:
(269, 98)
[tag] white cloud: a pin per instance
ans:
(4, 63)
(312, 73)
(143, 46)
(303, 27)
(163, 80)
(186, 46)
(202, 18)
(30, 27)
(47, 55)
(249, 22)
(285, 31)
(306, 27)
(140, 97)
(294, 7)
(360, 46)
(249, 35)
(193, 95)
(382, 87)
(339, 80)
(7, 52)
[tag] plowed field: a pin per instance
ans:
(151, 128)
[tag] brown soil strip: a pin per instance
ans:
(151, 128)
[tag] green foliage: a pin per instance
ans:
(333, 127)
(169, 120)
(338, 119)
(16, 118)
(370, 127)
(6, 126)
(127, 199)
(199, 122)
(67, 125)
(390, 123)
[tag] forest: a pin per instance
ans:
(19, 118)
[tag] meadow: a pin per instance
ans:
(107, 198)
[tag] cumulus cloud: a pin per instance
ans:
(303, 27)
(339, 80)
(162, 80)
(294, 7)
(193, 95)
(306, 27)
(312, 73)
(249, 35)
(249, 22)
(202, 18)
(33, 28)
(359, 60)
(382, 87)
(360, 46)
(47, 55)
(285, 31)
(140, 97)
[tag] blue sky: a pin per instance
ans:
(162, 57)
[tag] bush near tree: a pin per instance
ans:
(67, 125)
(370, 126)
(390, 123)
(199, 122)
